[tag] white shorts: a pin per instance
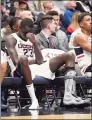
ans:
(87, 70)
(42, 70)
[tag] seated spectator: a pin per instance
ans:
(6, 30)
(61, 36)
(12, 11)
(60, 4)
(29, 65)
(15, 23)
(4, 11)
(81, 42)
(24, 14)
(70, 9)
(37, 27)
(35, 6)
(23, 4)
(74, 24)
(49, 5)
(17, 12)
(16, 4)
(83, 6)
(62, 23)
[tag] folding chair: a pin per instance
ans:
(14, 83)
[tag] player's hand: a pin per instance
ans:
(31, 37)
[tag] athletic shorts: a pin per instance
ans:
(42, 70)
(3, 57)
(87, 70)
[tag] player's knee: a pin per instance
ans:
(70, 55)
(23, 60)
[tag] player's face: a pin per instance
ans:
(27, 30)
(87, 23)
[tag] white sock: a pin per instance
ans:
(68, 86)
(31, 92)
(74, 88)
(69, 82)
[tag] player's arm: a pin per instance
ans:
(10, 44)
(37, 51)
(3, 70)
(82, 41)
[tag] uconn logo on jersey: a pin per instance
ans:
(28, 50)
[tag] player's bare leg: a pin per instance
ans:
(27, 76)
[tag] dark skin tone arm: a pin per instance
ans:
(81, 40)
(10, 44)
(38, 54)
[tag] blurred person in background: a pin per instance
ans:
(70, 9)
(74, 24)
(35, 6)
(49, 5)
(83, 6)
(15, 23)
(5, 28)
(23, 4)
(4, 11)
(60, 5)
(24, 14)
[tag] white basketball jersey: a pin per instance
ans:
(3, 57)
(23, 48)
(83, 57)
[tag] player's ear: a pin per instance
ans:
(14, 27)
(81, 24)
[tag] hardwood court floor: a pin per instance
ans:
(56, 113)
(63, 117)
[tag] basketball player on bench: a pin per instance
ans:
(26, 59)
